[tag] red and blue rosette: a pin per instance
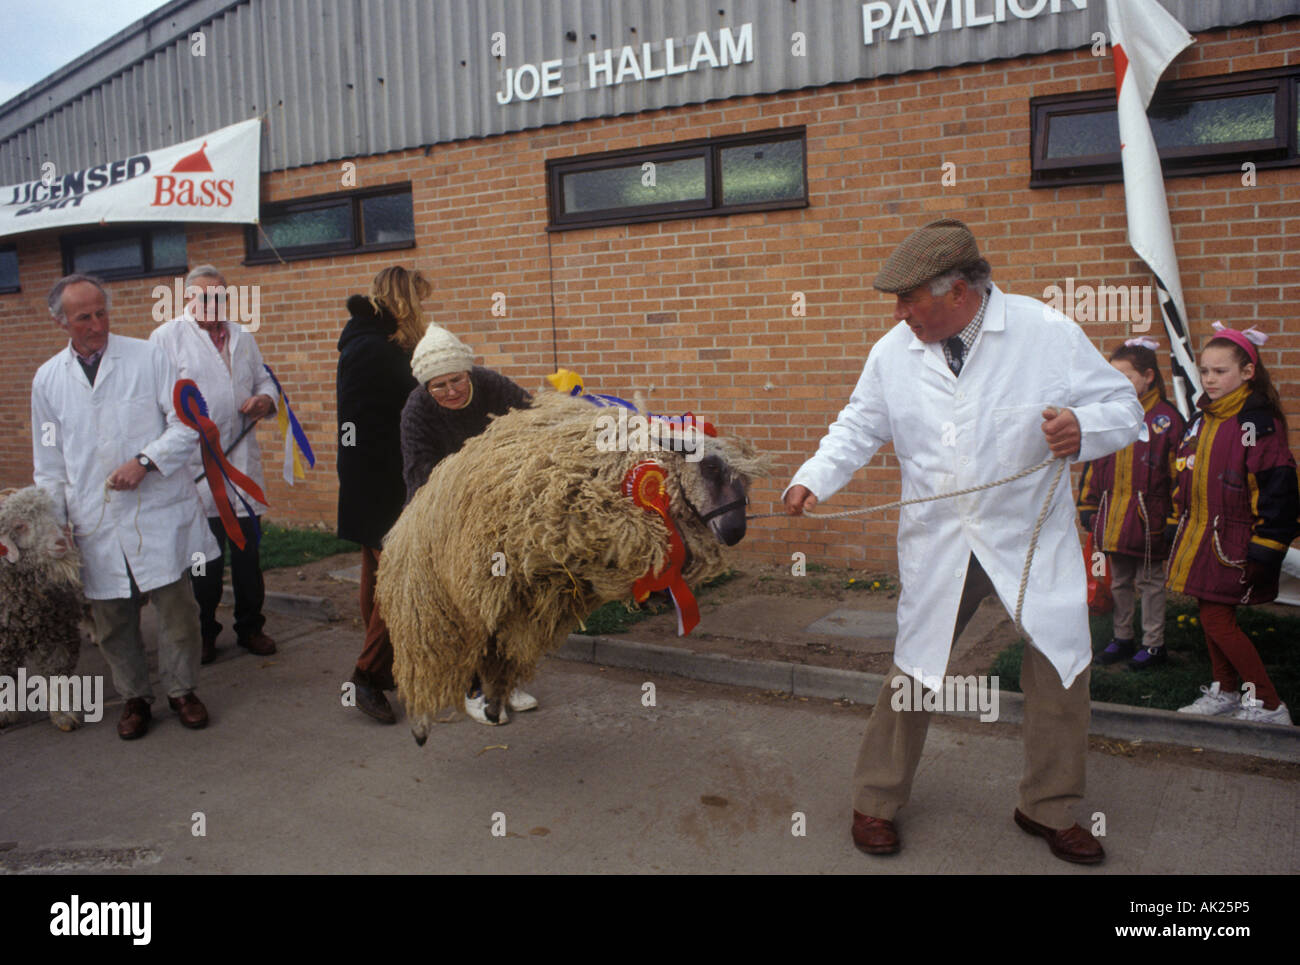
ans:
(192, 410)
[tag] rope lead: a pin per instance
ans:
(1033, 539)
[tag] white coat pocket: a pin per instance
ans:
(139, 420)
(1019, 434)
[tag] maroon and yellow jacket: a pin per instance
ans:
(1235, 496)
(1125, 498)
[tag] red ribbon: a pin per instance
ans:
(644, 485)
(192, 411)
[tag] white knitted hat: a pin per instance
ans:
(440, 353)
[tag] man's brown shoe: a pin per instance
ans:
(135, 719)
(190, 710)
(209, 651)
(874, 835)
(1073, 844)
(258, 643)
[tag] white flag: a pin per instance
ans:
(1145, 38)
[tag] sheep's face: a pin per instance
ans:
(31, 540)
(717, 486)
(719, 495)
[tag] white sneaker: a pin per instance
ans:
(521, 700)
(476, 708)
(1212, 703)
(1253, 711)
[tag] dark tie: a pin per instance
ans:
(957, 349)
(90, 368)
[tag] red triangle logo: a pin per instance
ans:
(198, 161)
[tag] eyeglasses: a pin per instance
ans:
(449, 385)
(211, 301)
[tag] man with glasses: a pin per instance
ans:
(453, 402)
(223, 360)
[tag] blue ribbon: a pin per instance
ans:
(299, 436)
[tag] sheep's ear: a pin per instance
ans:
(8, 551)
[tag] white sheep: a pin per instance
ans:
(40, 595)
(541, 490)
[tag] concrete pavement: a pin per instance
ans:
(709, 779)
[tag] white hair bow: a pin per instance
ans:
(1255, 335)
(1144, 342)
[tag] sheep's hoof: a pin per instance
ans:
(420, 730)
(492, 710)
(65, 721)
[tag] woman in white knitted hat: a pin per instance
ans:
(452, 403)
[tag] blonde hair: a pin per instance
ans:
(399, 292)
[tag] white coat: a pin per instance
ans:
(195, 357)
(159, 525)
(952, 433)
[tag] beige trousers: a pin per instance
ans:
(117, 631)
(1128, 578)
(1055, 733)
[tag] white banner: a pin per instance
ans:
(1145, 38)
(211, 178)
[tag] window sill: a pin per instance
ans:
(269, 258)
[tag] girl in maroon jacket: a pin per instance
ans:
(1124, 499)
(1236, 509)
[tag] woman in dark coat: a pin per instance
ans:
(374, 380)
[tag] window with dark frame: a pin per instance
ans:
(373, 219)
(759, 171)
(9, 270)
(1205, 125)
(137, 251)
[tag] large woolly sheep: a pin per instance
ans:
(525, 531)
(40, 594)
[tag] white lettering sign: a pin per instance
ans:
(919, 18)
(648, 61)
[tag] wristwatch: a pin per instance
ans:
(143, 460)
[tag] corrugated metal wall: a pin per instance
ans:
(341, 78)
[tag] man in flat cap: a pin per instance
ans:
(972, 386)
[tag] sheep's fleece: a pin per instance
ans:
(534, 488)
(40, 595)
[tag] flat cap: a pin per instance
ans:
(927, 253)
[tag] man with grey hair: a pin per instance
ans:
(223, 360)
(971, 386)
(110, 449)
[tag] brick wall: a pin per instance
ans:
(697, 313)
